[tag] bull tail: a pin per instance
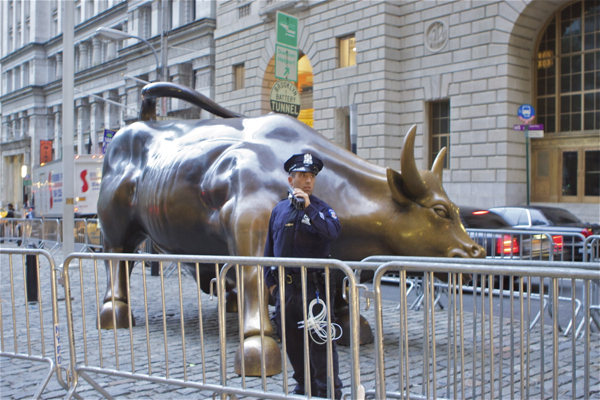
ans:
(167, 89)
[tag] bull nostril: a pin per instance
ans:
(477, 251)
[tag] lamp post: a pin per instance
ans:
(115, 34)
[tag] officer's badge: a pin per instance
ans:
(306, 220)
(332, 213)
(308, 159)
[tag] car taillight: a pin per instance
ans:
(586, 232)
(558, 242)
(507, 245)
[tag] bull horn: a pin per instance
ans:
(438, 164)
(410, 174)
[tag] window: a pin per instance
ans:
(347, 46)
(580, 174)
(244, 11)
(568, 70)
(145, 24)
(239, 74)
(440, 130)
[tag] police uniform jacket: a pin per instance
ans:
(316, 227)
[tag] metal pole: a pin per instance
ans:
(68, 83)
(527, 157)
(353, 127)
(163, 52)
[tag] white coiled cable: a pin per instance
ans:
(317, 324)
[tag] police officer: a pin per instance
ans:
(306, 233)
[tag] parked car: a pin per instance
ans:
(564, 227)
(496, 245)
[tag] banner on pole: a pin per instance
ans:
(108, 135)
(45, 151)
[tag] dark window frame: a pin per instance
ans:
(439, 130)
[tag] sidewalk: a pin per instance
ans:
(19, 378)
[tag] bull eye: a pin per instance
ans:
(441, 211)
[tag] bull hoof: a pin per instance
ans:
(231, 302)
(343, 320)
(121, 317)
(253, 359)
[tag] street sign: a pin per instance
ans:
(286, 63)
(536, 134)
(526, 113)
(287, 30)
(536, 127)
(285, 98)
(532, 131)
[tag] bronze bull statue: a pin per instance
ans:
(207, 187)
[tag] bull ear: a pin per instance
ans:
(438, 164)
(410, 174)
(396, 187)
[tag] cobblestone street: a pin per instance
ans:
(19, 378)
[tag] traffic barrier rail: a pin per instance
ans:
(530, 244)
(592, 248)
(52, 235)
(22, 299)
(125, 352)
(94, 237)
(11, 230)
(33, 232)
(480, 374)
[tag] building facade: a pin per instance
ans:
(368, 70)
(458, 69)
(109, 74)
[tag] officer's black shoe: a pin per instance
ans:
(299, 389)
(338, 395)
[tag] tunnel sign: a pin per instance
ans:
(285, 98)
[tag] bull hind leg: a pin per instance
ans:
(116, 284)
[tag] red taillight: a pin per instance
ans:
(586, 232)
(482, 212)
(507, 245)
(558, 242)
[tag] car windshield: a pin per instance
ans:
(559, 216)
(537, 218)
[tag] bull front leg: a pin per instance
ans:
(248, 236)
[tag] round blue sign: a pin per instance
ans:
(526, 112)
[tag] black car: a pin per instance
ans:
(567, 231)
(495, 244)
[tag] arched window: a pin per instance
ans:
(566, 162)
(568, 70)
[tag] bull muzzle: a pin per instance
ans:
(468, 251)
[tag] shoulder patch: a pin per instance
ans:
(332, 213)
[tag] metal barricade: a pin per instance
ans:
(591, 249)
(94, 237)
(52, 234)
(24, 312)
(516, 244)
(33, 232)
(12, 230)
(80, 234)
(500, 356)
(175, 341)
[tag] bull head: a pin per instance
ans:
(429, 222)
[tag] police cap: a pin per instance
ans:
(305, 162)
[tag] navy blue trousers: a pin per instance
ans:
(295, 336)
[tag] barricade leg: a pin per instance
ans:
(29, 321)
